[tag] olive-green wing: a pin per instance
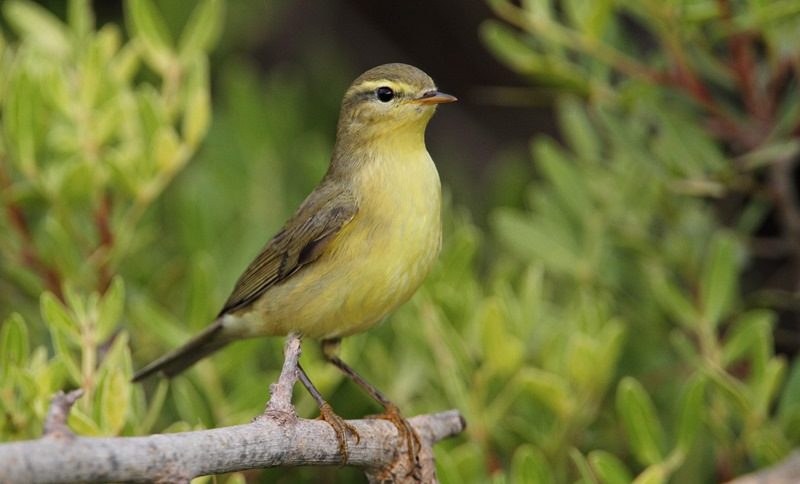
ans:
(301, 241)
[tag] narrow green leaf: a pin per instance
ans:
(58, 317)
(767, 386)
(560, 170)
(749, 335)
(692, 408)
(655, 474)
(110, 309)
(82, 424)
(529, 464)
(536, 241)
(670, 296)
(167, 149)
(202, 29)
(37, 25)
(197, 112)
(81, 17)
(639, 417)
(18, 123)
(66, 356)
(510, 49)
(503, 351)
(578, 129)
(551, 389)
(584, 469)
(609, 468)
(149, 27)
(14, 344)
(789, 403)
(114, 401)
(719, 282)
(732, 388)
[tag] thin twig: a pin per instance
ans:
(55, 424)
(280, 400)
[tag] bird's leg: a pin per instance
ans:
(391, 413)
(326, 413)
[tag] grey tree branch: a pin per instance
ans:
(276, 438)
(785, 472)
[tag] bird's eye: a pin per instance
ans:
(384, 94)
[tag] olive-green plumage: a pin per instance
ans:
(361, 243)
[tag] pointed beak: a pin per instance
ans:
(435, 97)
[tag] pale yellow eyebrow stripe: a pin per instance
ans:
(372, 85)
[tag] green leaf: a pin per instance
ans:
(110, 309)
(719, 280)
(37, 25)
(202, 29)
(19, 123)
(58, 317)
(149, 27)
(551, 389)
(503, 350)
(532, 240)
(509, 48)
(638, 415)
(655, 474)
(14, 344)
(81, 18)
(197, 113)
(789, 403)
(749, 335)
(609, 468)
(530, 465)
(584, 469)
(670, 296)
(114, 401)
(578, 129)
(167, 149)
(82, 424)
(692, 408)
(564, 177)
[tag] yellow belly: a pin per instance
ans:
(374, 264)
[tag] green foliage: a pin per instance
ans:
(597, 334)
(93, 130)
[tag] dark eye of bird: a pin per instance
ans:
(385, 94)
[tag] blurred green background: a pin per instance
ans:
(618, 295)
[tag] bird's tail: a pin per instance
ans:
(202, 345)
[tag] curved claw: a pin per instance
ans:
(340, 428)
(407, 433)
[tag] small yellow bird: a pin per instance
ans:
(358, 246)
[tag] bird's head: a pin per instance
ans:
(391, 98)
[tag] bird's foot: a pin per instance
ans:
(407, 434)
(340, 428)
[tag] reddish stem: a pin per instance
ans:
(102, 220)
(28, 254)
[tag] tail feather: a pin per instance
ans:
(202, 345)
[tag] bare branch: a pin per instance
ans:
(275, 438)
(786, 472)
(266, 442)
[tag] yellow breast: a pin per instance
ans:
(374, 264)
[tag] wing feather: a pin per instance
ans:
(301, 241)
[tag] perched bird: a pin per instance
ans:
(358, 246)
